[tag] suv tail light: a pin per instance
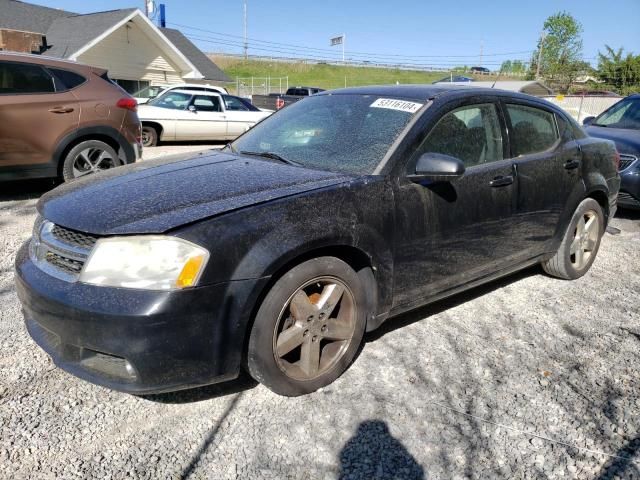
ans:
(616, 160)
(128, 104)
(279, 103)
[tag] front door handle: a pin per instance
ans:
(501, 181)
(571, 164)
(61, 109)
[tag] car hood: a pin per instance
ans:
(157, 196)
(626, 140)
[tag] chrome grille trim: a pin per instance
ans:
(60, 252)
(626, 161)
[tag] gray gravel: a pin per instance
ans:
(529, 377)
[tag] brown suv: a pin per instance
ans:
(62, 119)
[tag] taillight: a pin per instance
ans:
(128, 103)
(616, 160)
(279, 103)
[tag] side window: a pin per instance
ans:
(532, 130)
(471, 133)
(24, 78)
(234, 105)
(66, 80)
(206, 103)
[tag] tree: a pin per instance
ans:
(620, 71)
(559, 50)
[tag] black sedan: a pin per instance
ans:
(621, 124)
(320, 223)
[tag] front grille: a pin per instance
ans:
(626, 161)
(59, 251)
(68, 265)
(72, 237)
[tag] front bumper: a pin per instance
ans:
(629, 195)
(137, 341)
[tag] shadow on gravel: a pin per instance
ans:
(25, 189)
(241, 384)
(447, 303)
(628, 214)
(623, 464)
(374, 453)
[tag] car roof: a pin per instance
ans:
(195, 92)
(182, 85)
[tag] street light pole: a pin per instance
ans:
(542, 37)
(246, 45)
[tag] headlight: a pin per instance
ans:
(149, 262)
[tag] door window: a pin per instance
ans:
(533, 130)
(471, 133)
(66, 80)
(24, 78)
(234, 104)
(205, 103)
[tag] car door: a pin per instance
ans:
(239, 117)
(208, 120)
(548, 164)
(451, 233)
(33, 115)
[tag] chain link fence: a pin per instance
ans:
(583, 106)
(248, 86)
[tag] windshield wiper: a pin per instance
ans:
(271, 155)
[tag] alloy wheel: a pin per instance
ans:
(315, 328)
(585, 239)
(92, 160)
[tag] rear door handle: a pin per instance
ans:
(61, 109)
(501, 181)
(571, 164)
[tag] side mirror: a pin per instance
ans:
(438, 167)
(192, 108)
(588, 121)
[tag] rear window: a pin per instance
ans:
(66, 80)
(20, 78)
(533, 130)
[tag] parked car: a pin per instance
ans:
(276, 101)
(480, 70)
(149, 93)
(183, 115)
(62, 119)
(621, 124)
(454, 78)
(320, 223)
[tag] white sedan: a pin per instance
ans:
(181, 115)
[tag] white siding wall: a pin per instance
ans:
(129, 54)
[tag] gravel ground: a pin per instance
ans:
(528, 377)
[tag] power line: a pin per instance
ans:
(352, 53)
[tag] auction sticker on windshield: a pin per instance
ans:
(393, 104)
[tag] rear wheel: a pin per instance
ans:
(580, 244)
(308, 328)
(89, 157)
(149, 136)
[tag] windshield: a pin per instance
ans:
(344, 133)
(148, 92)
(624, 114)
(174, 100)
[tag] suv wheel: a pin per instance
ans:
(580, 243)
(308, 328)
(89, 157)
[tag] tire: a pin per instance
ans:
(568, 263)
(89, 157)
(149, 136)
(321, 303)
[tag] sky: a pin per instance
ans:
(411, 32)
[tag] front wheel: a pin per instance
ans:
(308, 328)
(580, 244)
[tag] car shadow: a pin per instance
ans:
(440, 306)
(628, 214)
(241, 384)
(25, 189)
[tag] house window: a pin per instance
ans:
(132, 86)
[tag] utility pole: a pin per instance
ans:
(246, 45)
(542, 37)
(481, 47)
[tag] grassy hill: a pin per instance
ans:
(322, 75)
